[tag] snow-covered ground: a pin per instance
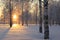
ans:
(55, 32)
(31, 32)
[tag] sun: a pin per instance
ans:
(14, 16)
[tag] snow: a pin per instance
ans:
(30, 32)
(55, 32)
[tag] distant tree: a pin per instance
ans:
(54, 12)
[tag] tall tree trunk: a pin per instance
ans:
(46, 27)
(40, 20)
(22, 14)
(10, 8)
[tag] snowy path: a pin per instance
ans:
(19, 32)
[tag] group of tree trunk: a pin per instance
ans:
(46, 26)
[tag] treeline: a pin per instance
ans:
(54, 12)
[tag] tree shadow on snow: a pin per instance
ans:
(3, 34)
